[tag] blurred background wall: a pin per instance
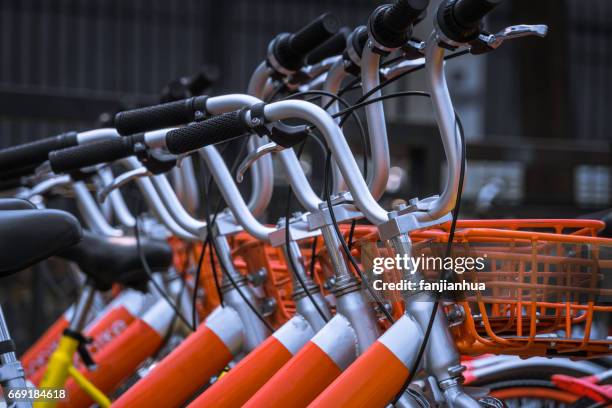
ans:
(537, 112)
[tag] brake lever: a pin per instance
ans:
(122, 180)
(254, 155)
(493, 41)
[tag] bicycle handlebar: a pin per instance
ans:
(290, 50)
(102, 151)
(333, 46)
(217, 129)
(460, 20)
(170, 114)
(391, 24)
(470, 11)
(34, 153)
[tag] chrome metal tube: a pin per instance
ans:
(303, 304)
(445, 117)
(81, 310)
(255, 332)
(232, 195)
(118, 204)
(175, 208)
(377, 127)
(155, 203)
(298, 181)
(96, 134)
(337, 143)
(91, 212)
(262, 177)
(334, 79)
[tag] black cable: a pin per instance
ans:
(206, 244)
(451, 236)
(378, 99)
(352, 85)
(347, 105)
(147, 269)
(235, 285)
(209, 238)
(351, 233)
(347, 251)
(277, 91)
(288, 247)
(313, 254)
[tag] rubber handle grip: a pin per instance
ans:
(211, 131)
(315, 33)
(401, 14)
(34, 153)
(160, 116)
(333, 46)
(102, 151)
(468, 12)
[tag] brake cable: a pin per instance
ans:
(449, 244)
(147, 269)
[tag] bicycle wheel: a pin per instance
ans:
(531, 393)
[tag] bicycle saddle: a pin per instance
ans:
(108, 260)
(29, 236)
(15, 204)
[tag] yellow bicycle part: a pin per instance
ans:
(60, 367)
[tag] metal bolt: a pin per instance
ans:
(456, 370)
(255, 121)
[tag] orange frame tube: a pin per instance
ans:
(376, 377)
(181, 373)
(312, 369)
(248, 376)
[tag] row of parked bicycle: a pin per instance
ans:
(222, 310)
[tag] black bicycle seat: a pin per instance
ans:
(29, 236)
(15, 204)
(108, 260)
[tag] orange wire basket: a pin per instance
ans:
(546, 293)
(548, 286)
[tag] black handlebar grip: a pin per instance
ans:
(391, 24)
(36, 152)
(468, 12)
(158, 116)
(102, 151)
(290, 50)
(214, 130)
(315, 33)
(333, 46)
(403, 13)
(460, 20)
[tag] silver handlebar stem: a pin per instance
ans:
(340, 149)
(183, 178)
(262, 176)
(333, 82)
(232, 195)
(377, 128)
(118, 204)
(91, 212)
(449, 131)
(175, 208)
(155, 203)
